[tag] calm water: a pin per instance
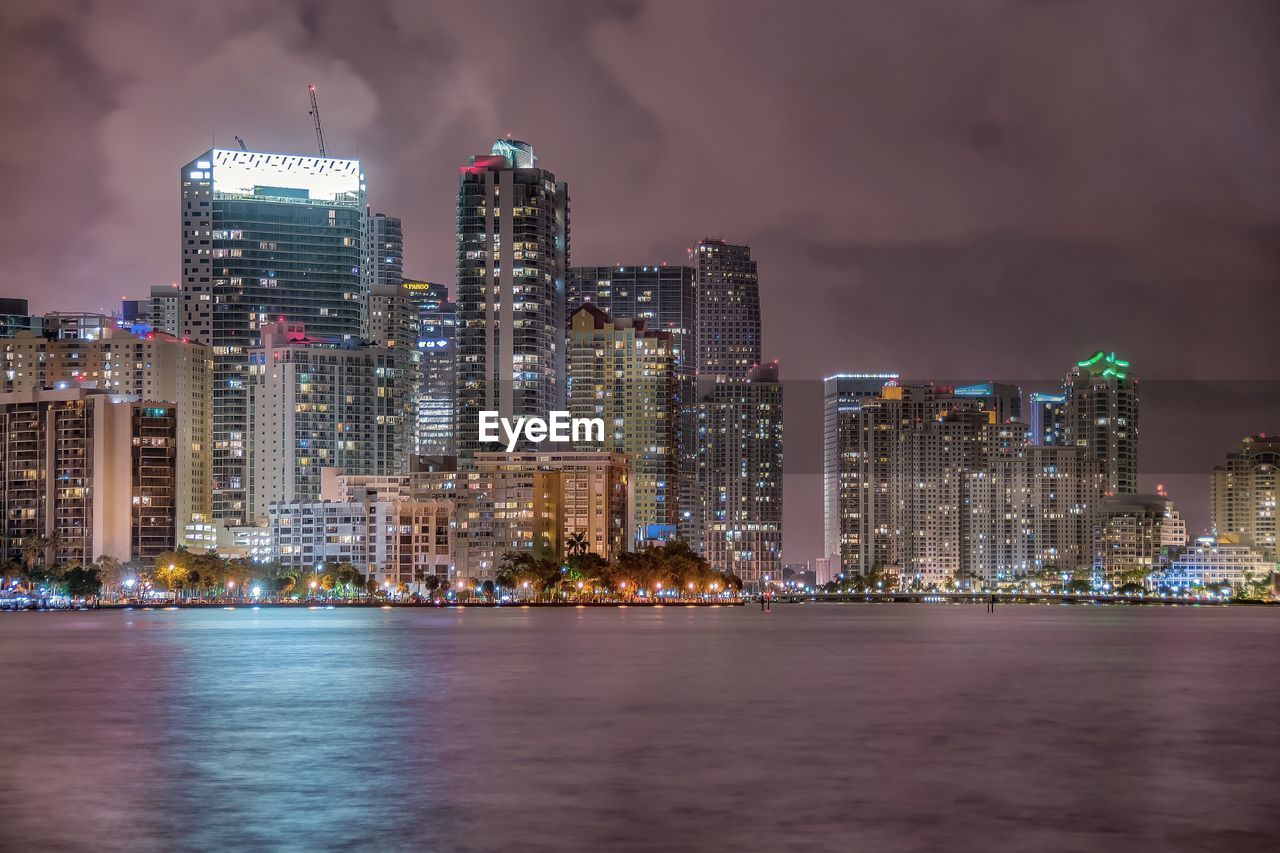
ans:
(820, 727)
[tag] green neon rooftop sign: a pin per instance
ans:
(1105, 364)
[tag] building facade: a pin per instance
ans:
(1214, 560)
(156, 367)
(317, 403)
(1048, 418)
(623, 373)
(728, 310)
(392, 542)
(1102, 417)
(666, 299)
(14, 318)
(91, 471)
(265, 237)
(740, 431)
(1137, 533)
(845, 484)
(1244, 494)
(437, 344)
(513, 256)
(537, 503)
(385, 243)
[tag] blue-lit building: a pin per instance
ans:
(437, 338)
(1048, 419)
(1005, 400)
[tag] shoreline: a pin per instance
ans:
(883, 598)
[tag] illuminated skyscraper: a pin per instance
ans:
(513, 256)
(1102, 417)
(265, 237)
(843, 481)
(728, 310)
(741, 470)
(624, 373)
(315, 404)
(665, 298)
(437, 344)
(1245, 488)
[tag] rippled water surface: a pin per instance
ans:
(819, 727)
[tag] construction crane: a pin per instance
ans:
(315, 113)
(240, 142)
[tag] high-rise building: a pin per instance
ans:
(625, 374)
(265, 237)
(666, 298)
(513, 256)
(843, 460)
(728, 310)
(394, 319)
(156, 367)
(437, 343)
(1102, 417)
(1048, 418)
(866, 445)
(740, 466)
(1245, 488)
(93, 471)
(929, 483)
(1031, 508)
(316, 403)
(385, 243)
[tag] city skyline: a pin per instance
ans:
(918, 271)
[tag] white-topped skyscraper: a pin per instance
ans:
(513, 257)
(266, 237)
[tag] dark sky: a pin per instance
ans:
(944, 189)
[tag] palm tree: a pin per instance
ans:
(576, 543)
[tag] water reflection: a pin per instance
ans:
(817, 727)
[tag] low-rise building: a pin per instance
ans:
(1213, 560)
(1137, 532)
(391, 541)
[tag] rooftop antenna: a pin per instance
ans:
(315, 113)
(240, 142)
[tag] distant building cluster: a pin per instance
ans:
(944, 486)
(293, 396)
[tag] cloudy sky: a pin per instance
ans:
(944, 189)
